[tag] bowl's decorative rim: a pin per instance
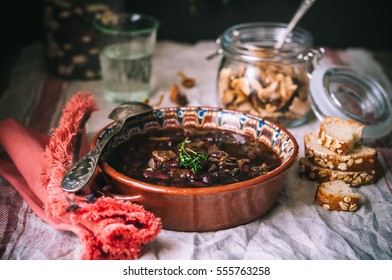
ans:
(147, 187)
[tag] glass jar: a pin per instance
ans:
(256, 78)
(70, 40)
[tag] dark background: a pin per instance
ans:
(333, 23)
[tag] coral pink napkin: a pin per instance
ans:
(35, 164)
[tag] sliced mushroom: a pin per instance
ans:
(228, 97)
(155, 138)
(177, 97)
(269, 93)
(241, 162)
(288, 88)
(240, 98)
(196, 145)
(186, 81)
(163, 156)
(241, 85)
(224, 82)
(255, 85)
(244, 107)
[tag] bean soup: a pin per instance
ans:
(186, 158)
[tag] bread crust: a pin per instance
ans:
(319, 174)
(336, 145)
(360, 159)
(335, 201)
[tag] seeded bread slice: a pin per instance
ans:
(340, 136)
(361, 158)
(319, 174)
(337, 196)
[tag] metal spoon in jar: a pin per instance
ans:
(80, 174)
(302, 9)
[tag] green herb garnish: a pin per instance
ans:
(189, 158)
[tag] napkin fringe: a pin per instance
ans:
(61, 149)
(108, 228)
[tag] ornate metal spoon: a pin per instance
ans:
(80, 174)
(302, 9)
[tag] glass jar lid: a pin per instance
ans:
(342, 92)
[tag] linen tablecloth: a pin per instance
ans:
(296, 228)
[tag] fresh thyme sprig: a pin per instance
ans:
(189, 158)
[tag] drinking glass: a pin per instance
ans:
(126, 45)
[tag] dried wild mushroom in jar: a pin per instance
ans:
(256, 78)
(276, 93)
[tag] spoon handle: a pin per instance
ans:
(302, 9)
(82, 171)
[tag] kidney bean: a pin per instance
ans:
(207, 178)
(218, 154)
(156, 175)
(179, 182)
(173, 163)
(245, 167)
(178, 173)
(227, 165)
(198, 184)
(194, 177)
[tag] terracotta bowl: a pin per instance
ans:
(209, 208)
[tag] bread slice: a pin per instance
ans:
(319, 174)
(361, 158)
(340, 136)
(337, 196)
